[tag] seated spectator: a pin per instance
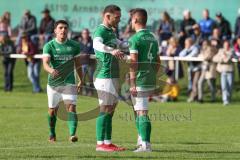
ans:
(46, 26)
(197, 36)
(237, 54)
(192, 50)
(224, 27)
(166, 27)
(215, 38)
(206, 24)
(88, 64)
(7, 48)
(225, 67)
(170, 92)
(186, 27)
(172, 50)
(27, 47)
(208, 70)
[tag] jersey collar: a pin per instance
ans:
(143, 29)
(61, 42)
(106, 26)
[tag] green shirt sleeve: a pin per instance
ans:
(133, 45)
(47, 50)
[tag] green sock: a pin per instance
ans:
(108, 125)
(72, 123)
(145, 128)
(100, 126)
(52, 124)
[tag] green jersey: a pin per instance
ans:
(107, 64)
(145, 45)
(62, 59)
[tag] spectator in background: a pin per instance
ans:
(186, 27)
(5, 26)
(88, 64)
(237, 25)
(208, 70)
(128, 32)
(192, 50)
(173, 49)
(28, 48)
(224, 27)
(197, 36)
(206, 24)
(237, 54)
(7, 48)
(166, 27)
(215, 38)
(46, 26)
(28, 25)
(225, 67)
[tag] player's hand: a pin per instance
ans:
(133, 91)
(54, 73)
(118, 54)
(79, 86)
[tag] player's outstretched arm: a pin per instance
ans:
(47, 68)
(99, 46)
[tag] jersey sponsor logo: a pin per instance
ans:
(63, 57)
(69, 48)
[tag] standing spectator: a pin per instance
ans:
(46, 26)
(88, 64)
(206, 24)
(208, 70)
(225, 67)
(28, 25)
(186, 27)
(237, 25)
(5, 26)
(237, 54)
(7, 48)
(166, 27)
(224, 27)
(27, 47)
(192, 50)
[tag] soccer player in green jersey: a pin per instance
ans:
(105, 44)
(144, 65)
(60, 56)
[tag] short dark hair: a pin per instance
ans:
(111, 9)
(142, 15)
(60, 22)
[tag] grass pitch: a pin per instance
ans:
(179, 130)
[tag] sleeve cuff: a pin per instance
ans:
(134, 51)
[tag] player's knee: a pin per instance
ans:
(72, 108)
(142, 112)
(52, 111)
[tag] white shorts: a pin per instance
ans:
(68, 94)
(107, 90)
(141, 102)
